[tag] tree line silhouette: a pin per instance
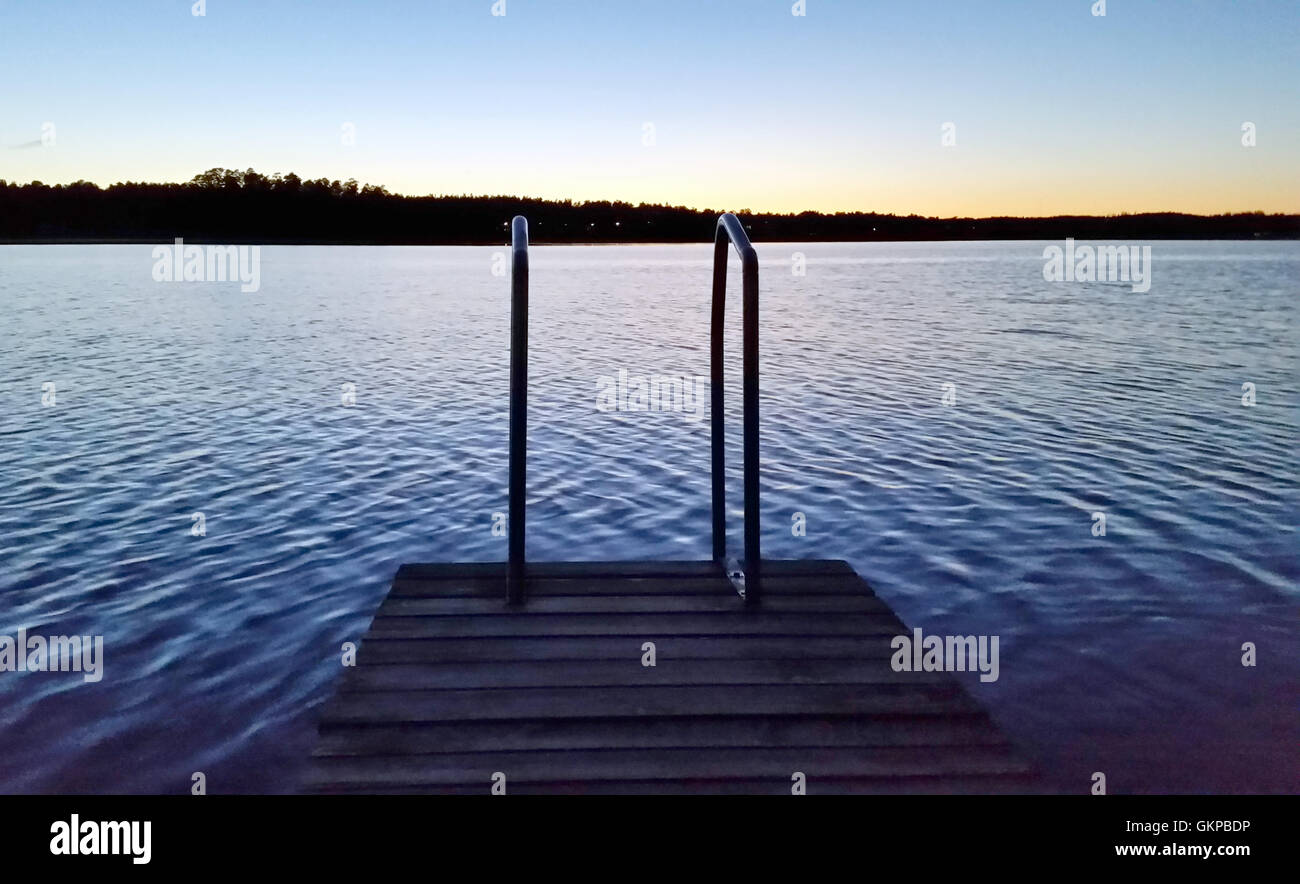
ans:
(228, 206)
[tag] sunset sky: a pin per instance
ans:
(1055, 110)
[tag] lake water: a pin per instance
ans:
(1120, 653)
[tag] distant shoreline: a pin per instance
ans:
(223, 206)
(203, 241)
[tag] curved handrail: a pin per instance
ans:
(730, 224)
(747, 578)
(518, 406)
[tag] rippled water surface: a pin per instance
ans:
(1119, 653)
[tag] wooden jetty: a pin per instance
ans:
(452, 687)
(725, 676)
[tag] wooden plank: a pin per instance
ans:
(713, 585)
(627, 671)
(545, 766)
(376, 649)
(649, 701)
(757, 731)
(406, 606)
(616, 570)
(1002, 784)
(647, 626)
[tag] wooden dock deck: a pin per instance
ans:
(452, 687)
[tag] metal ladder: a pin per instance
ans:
(745, 574)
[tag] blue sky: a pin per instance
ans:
(1055, 109)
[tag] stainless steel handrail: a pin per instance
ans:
(746, 576)
(518, 406)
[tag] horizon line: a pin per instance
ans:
(382, 190)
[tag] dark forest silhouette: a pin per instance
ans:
(227, 206)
